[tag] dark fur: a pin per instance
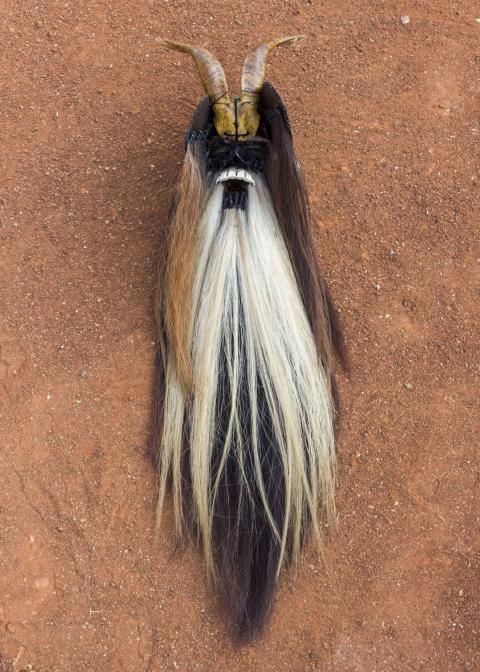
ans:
(246, 553)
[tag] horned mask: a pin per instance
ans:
(235, 117)
(245, 394)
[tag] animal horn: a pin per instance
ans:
(213, 80)
(253, 76)
(254, 68)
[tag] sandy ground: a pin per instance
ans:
(386, 123)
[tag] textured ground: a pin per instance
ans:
(92, 116)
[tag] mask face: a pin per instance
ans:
(235, 162)
(231, 160)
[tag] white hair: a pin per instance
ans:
(250, 329)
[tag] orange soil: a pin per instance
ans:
(92, 117)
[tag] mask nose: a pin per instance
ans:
(236, 100)
(236, 120)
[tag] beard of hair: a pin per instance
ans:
(245, 395)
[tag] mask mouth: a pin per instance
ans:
(236, 182)
(236, 175)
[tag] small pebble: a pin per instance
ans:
(404, 19)
(42, 583)
(83, 374)
(409, 386)
(460, 592)
(10, 627)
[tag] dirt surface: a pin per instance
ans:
(386, 123)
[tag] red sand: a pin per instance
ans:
(386, 123)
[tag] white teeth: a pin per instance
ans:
(236, 174)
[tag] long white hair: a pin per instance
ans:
(249, 449)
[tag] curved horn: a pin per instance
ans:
(253, 76)
(213, 80)
(254, 68)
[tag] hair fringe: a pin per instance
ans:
(290, 199)
(259, 426)
(182, 250)
(175, 269)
